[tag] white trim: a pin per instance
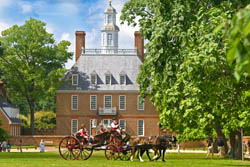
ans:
(72, 102)
(75, 75)
(104, 101)
(72, 125)
(138, 127)
(124, 123)
(109, 123)
(95, 103)
(90, 125)
(120, 102)
(138, 101)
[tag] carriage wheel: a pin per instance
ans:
(112, 152)
(69, 148)
(86, 152)
(151, 154)
(125, 155)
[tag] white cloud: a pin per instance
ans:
(3, 26)
(66, 36)
(26, 8)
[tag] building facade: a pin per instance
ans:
(102, 85)
(9, 114)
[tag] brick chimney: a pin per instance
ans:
(80, 43)
(139, 45)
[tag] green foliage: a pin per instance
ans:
(32, 63)
(239, 38)
(3, 134)
(185, 71)
(45, 119)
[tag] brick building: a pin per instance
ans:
(102, 85)
(9, 114)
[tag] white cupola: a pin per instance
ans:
(110, 30)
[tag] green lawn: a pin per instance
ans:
(98, 160)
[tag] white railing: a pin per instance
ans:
(107, 111)
(109, 51)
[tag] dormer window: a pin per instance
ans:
(108, 78)
(74, 79)
(122, 78)
(93, 78)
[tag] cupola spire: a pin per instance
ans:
(110, 30)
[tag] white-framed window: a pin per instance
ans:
(107, 101)
(122, 102)
(109, 19)
(74, 79)
(93, 78)
(74, 102)
(74, 126)
(140, 128)
(122, 123)
(122, 79)
(140, 105)
(93, 102)
(93, 123)
(108, 79)
(107, 123)
(109, 39)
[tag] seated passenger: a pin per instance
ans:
(102, 130)
(82, 134)
(115, 127)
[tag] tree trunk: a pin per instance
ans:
(221, 135)
(32, 113)
(236, 144)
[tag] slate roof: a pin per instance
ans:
(102, 64)
(4, 103)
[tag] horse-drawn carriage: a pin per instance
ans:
(115, 146)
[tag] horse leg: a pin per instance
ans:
(156, 154)
(139, 153)
(132, 154)
(163, 156)
(159, 155)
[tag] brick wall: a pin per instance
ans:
(84, 114)
(5, 122)
(35, 140)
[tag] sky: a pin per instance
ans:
(64, 17)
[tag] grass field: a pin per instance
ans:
(53, 159)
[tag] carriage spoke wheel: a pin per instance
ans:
(69, 148)
(151, 154)
(112, 152)
(125, 155)
(86, 152)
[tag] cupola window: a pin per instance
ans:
(109, 19)
(109, 39)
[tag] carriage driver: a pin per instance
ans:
(115, 127)
(82, 133)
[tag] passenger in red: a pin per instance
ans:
(82, 133)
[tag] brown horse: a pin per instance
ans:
(140, 144)
(163, 143)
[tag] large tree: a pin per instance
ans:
(185, 71)
(32, 62)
